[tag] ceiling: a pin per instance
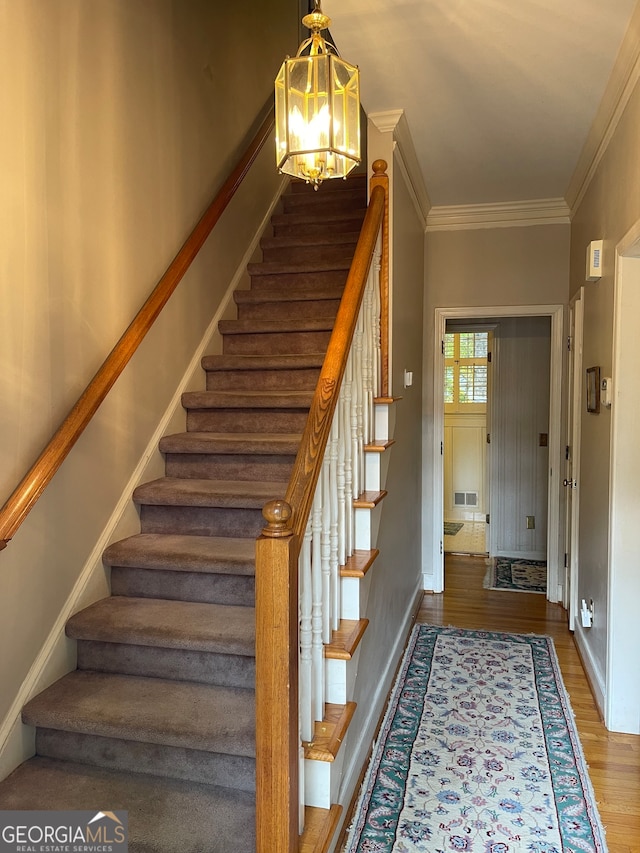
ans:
(499, 95)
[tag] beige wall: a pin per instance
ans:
(120, 121)
(609, 209)
(476, 268)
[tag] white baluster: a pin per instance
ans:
(348, 456)
(305, 675)
(367, 359)
(317, 649)
(341, 481)
(377, 362)
(359, 395)
(334, 563)
(326, 551)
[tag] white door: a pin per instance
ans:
(572, 467)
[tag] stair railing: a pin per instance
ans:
(311, 533)
(26, 494)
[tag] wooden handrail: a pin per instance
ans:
(26, 494)
(277, 552)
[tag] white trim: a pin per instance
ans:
(463, 217)
(44, 670)
(595, 677)
(621, 713)
(556, 313)
(395, 122)
(622, 82)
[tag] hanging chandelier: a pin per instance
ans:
(317, 109)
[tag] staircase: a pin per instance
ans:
(159, 717)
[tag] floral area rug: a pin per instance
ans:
(477, 752)
(515, 575)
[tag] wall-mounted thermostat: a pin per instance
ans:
(594, 260)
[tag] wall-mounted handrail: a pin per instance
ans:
(277, 550)
(26, 494)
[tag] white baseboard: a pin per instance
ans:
(594, 675)
(428, 581)
(359, 749)
(57, 656)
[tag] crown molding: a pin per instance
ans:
(623, 79)
(395, 122)
(511, 214)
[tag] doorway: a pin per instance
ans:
(467, 362)
(555, 470)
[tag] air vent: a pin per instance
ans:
(465, 499)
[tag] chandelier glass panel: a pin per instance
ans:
(317, 109)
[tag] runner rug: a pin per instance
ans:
(516, 575)
(478, 751)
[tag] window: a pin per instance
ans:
(465, 371)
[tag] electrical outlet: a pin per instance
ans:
(531, 522)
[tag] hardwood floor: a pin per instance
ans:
(614, 759)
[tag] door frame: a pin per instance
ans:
(574, 431)
(554, 540)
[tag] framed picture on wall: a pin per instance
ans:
(593, 389)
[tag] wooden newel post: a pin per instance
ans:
(277, 741)
(381, 179)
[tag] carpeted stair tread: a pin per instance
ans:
(150, 710)
(263, 362)
(173, 552)
(284, 294)
(231, 443)
(294, 324)
(247, 399)
(189, 625)
(279, 267)
(165, 815)
(174, 491)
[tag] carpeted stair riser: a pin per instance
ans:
(302, 308)
(285, 225)
(247, 420)
(228, 466)
(189, 765)
(302, 280)
(202, 521)
(177, 664)
(269, 380)
(298, 286)
(237, 590)
(300, 252)
(277, 343)
(336, 203)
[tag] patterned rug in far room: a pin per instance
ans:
(516, 575)
(478, 752)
